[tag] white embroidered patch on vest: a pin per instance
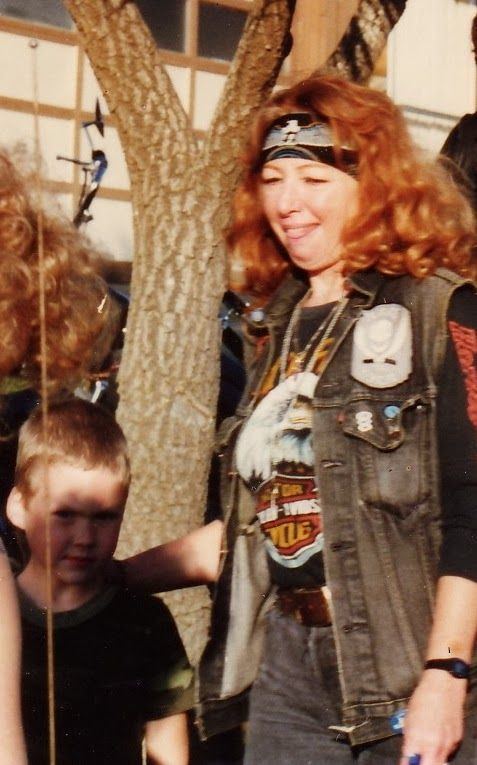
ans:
(382, 346)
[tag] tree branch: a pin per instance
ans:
(126, 62)
(364, 39)
(264, 44)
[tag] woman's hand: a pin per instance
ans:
(434, 722)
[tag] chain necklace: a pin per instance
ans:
(323, 332)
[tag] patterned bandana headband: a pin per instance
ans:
(299, 135)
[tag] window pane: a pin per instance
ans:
(166, 20)
(220, 30)
(50, 12)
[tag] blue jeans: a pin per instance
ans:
(296, 697)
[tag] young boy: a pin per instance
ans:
(121, 672)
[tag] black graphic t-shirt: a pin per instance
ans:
(275, 454)
(275, 458)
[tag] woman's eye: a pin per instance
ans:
(313, 180)
(268, 179)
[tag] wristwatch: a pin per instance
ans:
(457, 667)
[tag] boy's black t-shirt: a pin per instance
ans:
(119, 662)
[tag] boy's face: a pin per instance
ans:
(85, 510)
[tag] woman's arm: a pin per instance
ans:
(12, 748)
(434, 722)
(190, 560)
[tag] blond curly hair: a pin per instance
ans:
(411, 216)
(74, 293)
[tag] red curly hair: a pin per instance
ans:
(73, 290)
(411, 218)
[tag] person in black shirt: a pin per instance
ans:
(349, 471)
(121, 671)
(460, 146)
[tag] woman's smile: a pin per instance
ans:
(296, 233)
(307, 204)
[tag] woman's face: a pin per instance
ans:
(307, 204)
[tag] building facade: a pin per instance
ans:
(429, 70)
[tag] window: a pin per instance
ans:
(220, 29)
(197, 39)
(50, 12)
(166, 20)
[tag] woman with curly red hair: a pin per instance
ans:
(75, 313)
(411, 219)
(346, 594)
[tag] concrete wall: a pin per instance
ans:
(431, 71)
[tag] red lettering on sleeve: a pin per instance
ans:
(465, 343)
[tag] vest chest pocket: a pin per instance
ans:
(392, 449)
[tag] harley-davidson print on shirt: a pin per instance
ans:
(275, 459)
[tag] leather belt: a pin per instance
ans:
(308, 605)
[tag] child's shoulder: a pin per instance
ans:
(145, 604)
(149, 619)
(145, 610)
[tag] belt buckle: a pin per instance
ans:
(297, 614)
(307, 607)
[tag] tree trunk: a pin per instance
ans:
(181, 200)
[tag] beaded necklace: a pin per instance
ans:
(316, 343)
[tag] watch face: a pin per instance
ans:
(460, 669)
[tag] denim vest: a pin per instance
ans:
(379, 492)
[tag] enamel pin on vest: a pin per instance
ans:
(382, 346)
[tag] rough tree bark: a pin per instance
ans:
(181, 198)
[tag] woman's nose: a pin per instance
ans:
(288, 200)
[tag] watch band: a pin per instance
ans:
(456, 667)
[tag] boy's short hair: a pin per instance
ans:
(76, 432)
